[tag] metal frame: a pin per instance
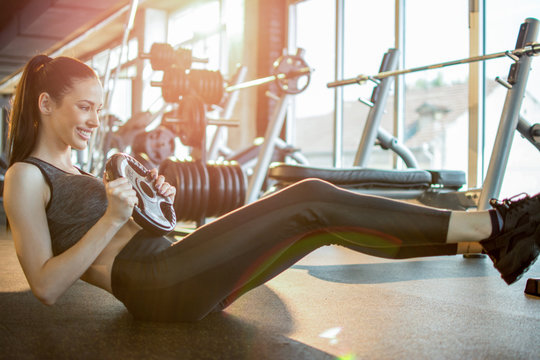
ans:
(267, 149)
(509, 119)
(378, 103)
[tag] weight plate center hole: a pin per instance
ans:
(146, 189)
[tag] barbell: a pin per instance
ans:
(291, 73)
(163, 56)
(528, 50)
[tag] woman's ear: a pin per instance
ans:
(45, 103)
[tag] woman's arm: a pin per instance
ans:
(26, 195)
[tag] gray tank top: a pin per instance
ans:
(77, 202)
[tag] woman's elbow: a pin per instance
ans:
(45, 296)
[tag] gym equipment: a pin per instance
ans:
(177, 82)
(157, 144)
(188, 120)
(163, 56)
(204, 189)
(440, 189)
(530, 49)
(153, 212)
(289, 83)
(290, 72)
(442, 185)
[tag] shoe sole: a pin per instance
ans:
(512, 268)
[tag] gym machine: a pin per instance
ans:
(438, 188)
(434, 188)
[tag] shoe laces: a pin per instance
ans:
(513, 202)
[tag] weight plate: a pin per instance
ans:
(153, 212)
(235, 199)
(180, 190)
(205, 188)
(188, 182)
(166, 168)
(294, 82)
(229, 189)
(217, 190)
(243, 182)
(197, 190)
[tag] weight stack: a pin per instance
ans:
(204, 189)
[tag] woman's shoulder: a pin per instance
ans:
(23, 173)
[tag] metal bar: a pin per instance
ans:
(226, 113)
(392, 143)
(529, 50)
(223, 122)
(476, 95)
(338, 93)
(399, 86)
(267, 150)
(264, 80)
(373, 121)
(524, 128)
(507, 125)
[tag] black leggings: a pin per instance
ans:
(210, 268)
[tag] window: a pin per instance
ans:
(365, 43)
(436, 101)
(502, 25)
(315, 33)
(198, 28)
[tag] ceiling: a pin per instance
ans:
(55, 27)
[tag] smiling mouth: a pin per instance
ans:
(85, 134)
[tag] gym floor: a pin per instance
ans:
(333, 304)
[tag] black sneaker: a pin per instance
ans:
(517, 246)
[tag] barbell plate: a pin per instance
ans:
(183, 183)
(205, 187)
(169, 169)
(243, 183)
(236, 186)
(226, 194)
(217, 189)
(229, 195)
(197, 191)
(154, 212)
(180, 190)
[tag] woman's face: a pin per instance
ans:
(75, 118)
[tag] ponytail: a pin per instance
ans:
(41, 74)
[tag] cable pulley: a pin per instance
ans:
(529, 50)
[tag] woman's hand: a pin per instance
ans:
(121, 199)
(161, 186)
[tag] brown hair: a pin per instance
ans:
(41, 74)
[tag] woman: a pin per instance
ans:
(67, 224)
